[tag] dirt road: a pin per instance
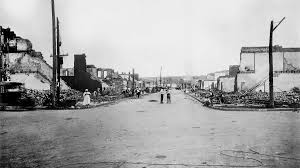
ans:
(143, 133)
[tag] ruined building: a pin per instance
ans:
(78, 77)
(254, 69)
(23, 64)
(227, 83)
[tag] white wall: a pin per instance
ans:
(227, 84)
(282, 81)
(207, 84)
(31, 81)
(25, 62)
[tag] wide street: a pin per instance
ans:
(144, 133)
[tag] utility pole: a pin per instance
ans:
(271, 87)
(1, 47)
(133, 82)
(160, 76)
(58, 43)
(54, 66)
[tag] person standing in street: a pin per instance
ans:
(86, 97)
(168, 96)
(161, 95)
(138, 92)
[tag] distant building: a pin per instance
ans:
(211, 81)
(82, 77)
(67, 72)
(227, 83)
(103, 73)
(92, 70)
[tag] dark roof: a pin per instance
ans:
(90, 66)
(291, 49)
(265, 49)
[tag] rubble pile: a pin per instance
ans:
(43, 97)
(281, 99)
(105, 98)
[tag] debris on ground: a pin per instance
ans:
(250, 99)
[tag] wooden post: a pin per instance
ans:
(133, 82)
(53, 86)
(1, 47)
(271, 91)
(160, 76)
(58, 60)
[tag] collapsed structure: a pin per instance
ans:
(20, 63)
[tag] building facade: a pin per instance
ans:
(254, 69)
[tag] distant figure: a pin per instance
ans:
(138, 92)
(86, 97)
(161, 96)
(211, 98)
(168, 96)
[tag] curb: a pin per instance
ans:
(220, 108)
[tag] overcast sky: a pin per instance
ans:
(185, 37)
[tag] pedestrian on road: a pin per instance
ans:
(162, 95)
(168, 96)
(138, 92)
(86, 97)
(211, 98)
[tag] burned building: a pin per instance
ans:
(103, 73)
(92, 70)
(211, 80)
(23, 64)
(81, 79)
(227, 83)
(254, 69)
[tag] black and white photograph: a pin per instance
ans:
(149, 83)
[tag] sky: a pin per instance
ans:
(184, 37)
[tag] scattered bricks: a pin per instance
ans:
(282, 99)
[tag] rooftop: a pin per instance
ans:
(265, 49)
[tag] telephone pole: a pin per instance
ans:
(133, 82)
(58, 43)
(54, 59)
(1, 47)
(271, 87)
(160, 76)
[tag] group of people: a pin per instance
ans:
(162, 93)
(138, 92)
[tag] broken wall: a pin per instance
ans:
(291, 61)
(24, 63)
(226, 84)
